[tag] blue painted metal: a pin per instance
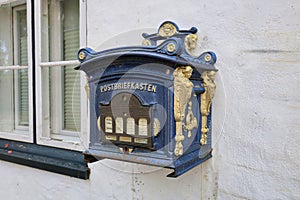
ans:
(130, 70)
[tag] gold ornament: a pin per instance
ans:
(207, 57)
(156, 127)
(183, 88)
(146, 42)
(167, 30)
(191, 120)
(206, 98)
(171, 47)
(190, 41)
(81, 55)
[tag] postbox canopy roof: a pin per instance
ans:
(172, 51)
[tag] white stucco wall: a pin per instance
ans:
(256, 125)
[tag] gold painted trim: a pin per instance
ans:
(183, 88)
(191, 120)
(111, 137)
(167, 30)
(99, 123)
(81, 55)
(119, 122)
(207, 57)
(156, 127)
(141, 140)
(125, 139)
(130, 150)
(190, 41)
(171, 47)
(146, 42)
(121, 149)
(108, 124)
(142, 127)
(206, 98)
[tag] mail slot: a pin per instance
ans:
(151, 104)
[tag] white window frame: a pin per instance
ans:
(44, 137)
(24, 134)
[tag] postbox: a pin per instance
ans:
(151, 104)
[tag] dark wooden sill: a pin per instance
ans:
(67, 162)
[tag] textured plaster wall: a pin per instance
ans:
(256, 108)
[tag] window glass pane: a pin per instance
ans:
(23, 110)
(14, 98)
(61, 102)
(23, 104)
(71, 99)
(61, 84)
(6, 36)
(6, 101)
(22, 37)
(6, 76)
(70, 47)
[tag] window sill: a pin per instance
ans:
(51, 159)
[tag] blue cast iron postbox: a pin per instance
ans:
(151, 104)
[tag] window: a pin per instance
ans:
(60, 97)
(62, 93)
(43, 104)
(15, 73)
